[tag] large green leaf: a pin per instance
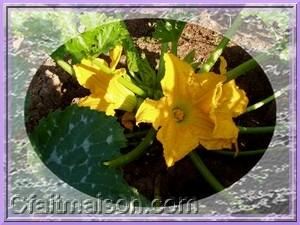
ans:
(74, 142)
(93, 42)
(168, 30)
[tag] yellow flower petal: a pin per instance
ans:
(155, 112)
(176, 78)
(120, 96)
(197, 109)
(200, 124)
(217, 144)
(89, 76)
(99, 64)
(115, 55)
(224, 126)
(107, 94)
(177, 140)
(234, 98)
(206, 90)
(110, 110)
(120, 72)
(231, 102)
(94, 102)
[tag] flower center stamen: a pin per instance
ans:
(178, 114)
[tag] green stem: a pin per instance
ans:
(234, 27)
(240, 154)
(131, 86)
(136, 134)
(157, 191)
(65, 66)
(135, 153)
(174, 45)
(212, 59)
(246, 66)
(256, 130)
(209, 177)
(266, 100)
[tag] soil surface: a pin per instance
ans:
(51, 88)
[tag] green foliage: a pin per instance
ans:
(74, 142)
(100, 40)
(132, 56)
(93, 42)
(139, 68)
(168, 30)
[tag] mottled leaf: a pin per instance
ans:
(74, 142)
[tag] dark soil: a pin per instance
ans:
(51, 88)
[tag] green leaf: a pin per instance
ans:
(132, 56)
(73, 144)
(168, 30)
(139, 67)
(92, 43)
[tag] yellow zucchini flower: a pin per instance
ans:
(107, 94)
(196, 109)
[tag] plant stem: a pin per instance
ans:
(212, 59)
(157, 191)
(246, 66)
(174, 45)
(65, 66)
(131, 86)
(266, 100)
(256, 130)
(206, 67)
(135, 153)
(136, 134)
(240, 154)
(209, 177)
